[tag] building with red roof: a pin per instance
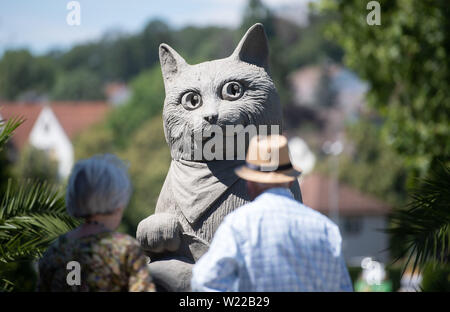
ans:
(52, 126)
(360, 217)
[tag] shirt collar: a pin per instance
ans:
(278, 191)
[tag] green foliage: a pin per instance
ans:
(88, 56)
(292, 46)
(436, 278)
(149, 157)
(36, 164)
(5, 170)
(79, 84)
(15, 73)
(257, 12)
(118, 56)
(20, 72)
(308, 44)
(406, 61)
(154, 33)
(134, 133)
(425, 224)
(146, 102)
(99, 139)
(7, 129)
(204, 44)
(373, 167)
(22, 273)
(32, 215)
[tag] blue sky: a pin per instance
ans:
(40, 25)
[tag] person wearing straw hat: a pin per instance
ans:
(274, 243)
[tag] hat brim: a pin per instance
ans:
(268, 176)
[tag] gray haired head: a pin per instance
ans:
(98, 185)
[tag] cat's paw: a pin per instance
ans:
(159, 233)
(172, 274)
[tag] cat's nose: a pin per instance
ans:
(211, 118)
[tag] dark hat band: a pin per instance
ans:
(259, 168)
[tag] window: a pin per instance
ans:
(353, 225)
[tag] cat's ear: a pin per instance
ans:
(253, 47)
(171, 61)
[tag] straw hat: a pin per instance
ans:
(268, 161)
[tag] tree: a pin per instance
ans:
(32, 215)
(35, 164)
(310, 46)
(5, 170)
(150, 38)
(98, 139)
(200, 44)
(406, 60)
(21, 72)
(257, 12)
(118, 55)
(89, 56)
(80, 84)
(366, 167)
(425, 225)
(291, 46)
(149, 158)
(6, 163)
(147, 101)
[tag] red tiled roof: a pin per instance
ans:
(29, 112)
(73, 116)
(315, 192)
(77, 116)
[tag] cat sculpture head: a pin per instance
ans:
(219, 94)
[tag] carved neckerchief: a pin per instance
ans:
(198, 185)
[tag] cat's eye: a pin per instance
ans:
(232, 91)
(191, 100)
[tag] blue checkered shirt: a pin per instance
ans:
(274, 243)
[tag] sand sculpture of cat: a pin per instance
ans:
(198, 194)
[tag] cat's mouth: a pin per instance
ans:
(223, 131)
(225, 128)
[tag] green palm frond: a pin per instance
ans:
(7, 129)
(5, 285)
(425, 223)
(32, 215)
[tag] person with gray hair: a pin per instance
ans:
(98, 186)
(93, 257)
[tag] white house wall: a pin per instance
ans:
(48, 134)
(368, 242)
